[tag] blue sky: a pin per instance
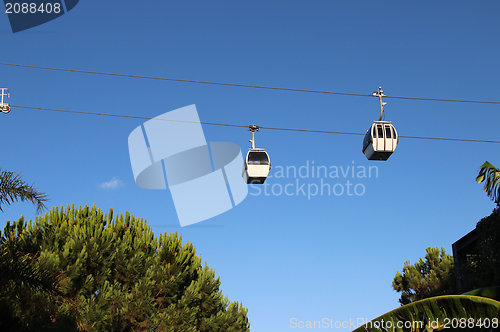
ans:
(283, 256)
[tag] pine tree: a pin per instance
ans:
(114, 274)
(427, 278)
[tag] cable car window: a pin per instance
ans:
(388, 132)
(258, 158)
(380, 132)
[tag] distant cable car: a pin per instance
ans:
(257, 163)
(382, 138)
(4, 106)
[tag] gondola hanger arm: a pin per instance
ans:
(253, 129)
(380, 93)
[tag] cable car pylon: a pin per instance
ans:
(382, 138)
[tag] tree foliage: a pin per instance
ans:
(484, 263)
(428, 277)
(111, 274)
(24, 285)
(490, 175)
(13, 188)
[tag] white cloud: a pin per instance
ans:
(114, 183)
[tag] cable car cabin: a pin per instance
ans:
(380, 141)
(257, 166)
(4, 108)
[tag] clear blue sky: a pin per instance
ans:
(283, 257)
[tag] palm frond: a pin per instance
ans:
(13, 189)
(490, 175)
(435, 314)
(23, 271)
(20, 266)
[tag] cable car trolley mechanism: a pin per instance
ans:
(257, 163)
(382, 138)
(4, 106)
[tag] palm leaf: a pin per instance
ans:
(432, 314)
(20, 266)
(13, 189)
(23, 271)
(490, 175)
(492, 292)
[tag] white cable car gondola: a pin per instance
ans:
(4, 106)
(382, 138)
(257, 163)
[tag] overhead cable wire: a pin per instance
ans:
(126, 116)
(243, 85)
(186, 80)
(246, 126)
